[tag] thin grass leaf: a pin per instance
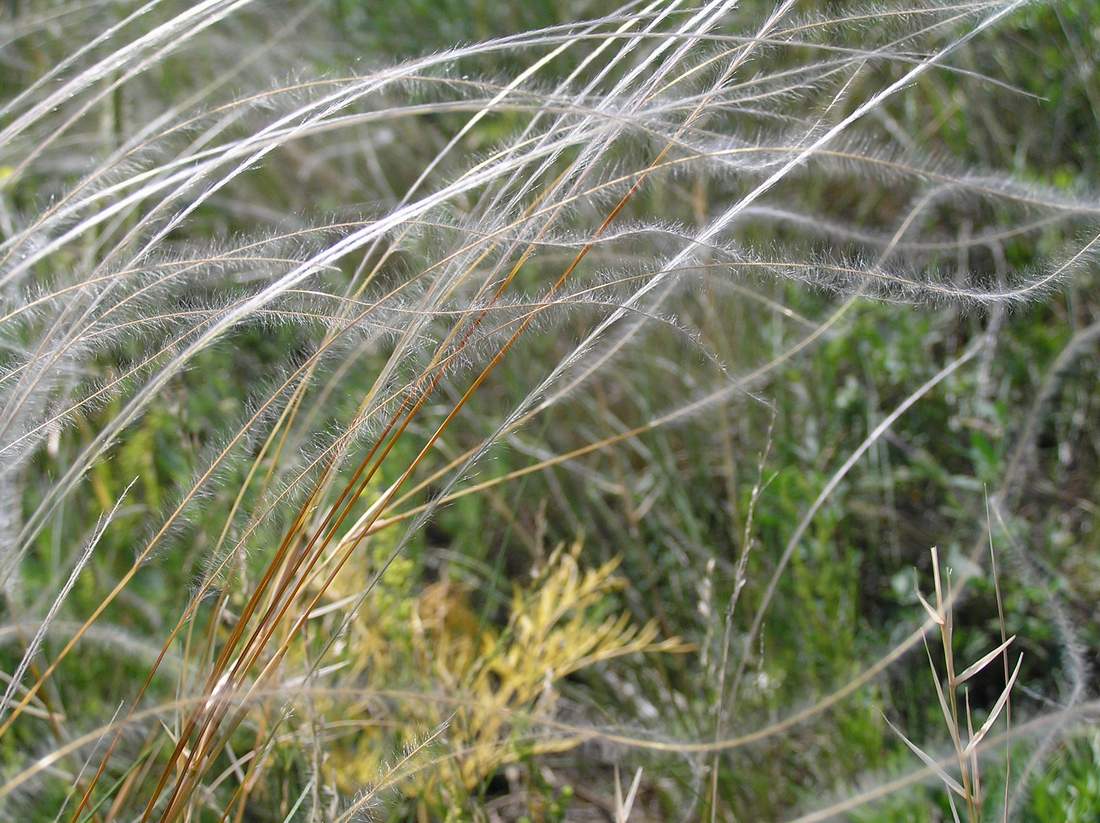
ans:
(624, 807)
(975, 773)
(936, 578)
(985, 660)
(942, 698)
(997, 707)
(937, 618)
(928, 761)
(954, 809)
(78, 567)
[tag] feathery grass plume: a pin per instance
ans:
(372, 324)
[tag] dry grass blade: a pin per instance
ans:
(35, 644)
(929, 761)
(981, 663)
(934, 615)
(623, 806)
(952, 728)
(998, 707)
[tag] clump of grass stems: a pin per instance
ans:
(956, 710)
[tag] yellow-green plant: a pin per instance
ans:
(494, 687)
